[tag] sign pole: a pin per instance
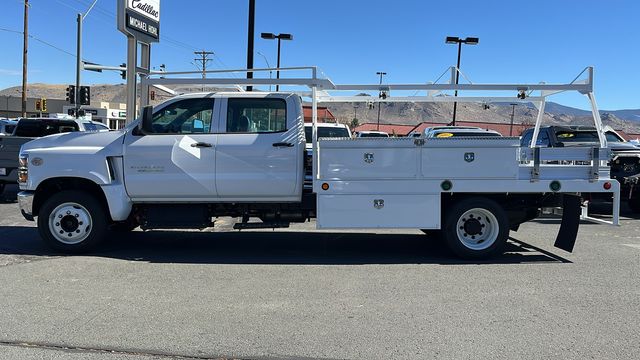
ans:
(132, 60)
(139, 20)
(78, 64)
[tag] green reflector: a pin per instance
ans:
(446, 185)
(555, 185)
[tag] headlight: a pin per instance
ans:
(23, 168)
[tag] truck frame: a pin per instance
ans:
(470, 191)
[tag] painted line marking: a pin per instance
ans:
(635, 246)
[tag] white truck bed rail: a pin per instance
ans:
(534, 165)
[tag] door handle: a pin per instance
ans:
(201, 144)
(282, 144)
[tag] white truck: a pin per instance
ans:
(198, 157)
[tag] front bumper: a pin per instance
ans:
(25, 201)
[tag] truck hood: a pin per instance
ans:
(78, 143)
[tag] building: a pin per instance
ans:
(112, 114)
(11, 106)
(404, 130)
(324, 115)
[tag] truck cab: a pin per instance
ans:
(199, 156)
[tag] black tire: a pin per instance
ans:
(84, 233)
(476, 228)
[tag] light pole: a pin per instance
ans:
(381, 73)
(269, 66)
(457, 40)
(513, 111)
(271, 36)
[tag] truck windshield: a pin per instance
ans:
(325, 132)
(585, 136)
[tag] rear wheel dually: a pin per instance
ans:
(72, 221)
(476, 228)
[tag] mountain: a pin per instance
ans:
(413, 113)
(392, 113)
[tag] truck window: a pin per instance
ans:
(188, 116)
(40, 127)
(256, 115)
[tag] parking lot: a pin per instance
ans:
(300, 293)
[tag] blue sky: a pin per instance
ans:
(520, 41)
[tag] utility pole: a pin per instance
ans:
(78, 63)
(204, 60)
(250, 31)
(381, 73)
(24, 58)
(513, 112)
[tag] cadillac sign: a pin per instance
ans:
(140, 18)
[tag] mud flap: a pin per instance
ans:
(568, 233)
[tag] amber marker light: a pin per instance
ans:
(325, 186)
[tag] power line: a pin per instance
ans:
(39, 40)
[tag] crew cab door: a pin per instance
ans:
(260, 149)
(176, 162)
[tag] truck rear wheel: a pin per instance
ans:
(72, 221)
(476, 228)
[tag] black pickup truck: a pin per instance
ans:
(29, 129)
(625, 160)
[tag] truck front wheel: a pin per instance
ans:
(476, 228)
(72, 221)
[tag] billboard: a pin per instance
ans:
(140, 18)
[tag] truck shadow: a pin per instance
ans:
(267, 247)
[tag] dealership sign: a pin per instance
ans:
(140, 18)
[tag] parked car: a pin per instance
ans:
(7, 126)
(625, 157)
(32, 128)
(363, 134)
(458, 131)
(325, 130)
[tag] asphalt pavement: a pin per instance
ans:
(300, 293)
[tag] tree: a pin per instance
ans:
(354, 123)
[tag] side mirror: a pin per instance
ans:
(146, 124)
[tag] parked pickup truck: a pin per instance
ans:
(32, 128)
(198, 157)
(625, 157)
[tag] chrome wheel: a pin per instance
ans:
(477, 229)
(70, 223)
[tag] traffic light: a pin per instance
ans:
(43, 104)
(85, 95)
(123, 73)
(71, 94)
(38, 105)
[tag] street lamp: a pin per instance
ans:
(381, 73)
(457, 40)
(269, 66)
(271, 36)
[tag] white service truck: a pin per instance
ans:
(198, 157)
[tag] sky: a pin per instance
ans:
(351, 40)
